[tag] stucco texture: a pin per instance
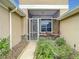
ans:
(16, 29)
(25, 23)
(69, 28)
(4, 22)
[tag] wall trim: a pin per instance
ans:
(43, 6)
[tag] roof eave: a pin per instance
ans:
(10, 5)
(69, 13)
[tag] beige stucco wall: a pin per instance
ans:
(16, 29)
(4, 22)
(18, 25)
(69, 29)
(25, 23)
(54, 2)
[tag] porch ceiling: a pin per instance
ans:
(43, 12)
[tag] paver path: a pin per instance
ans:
(29, 51)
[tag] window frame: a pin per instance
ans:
(51, 20)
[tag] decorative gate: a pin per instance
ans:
(33, 28)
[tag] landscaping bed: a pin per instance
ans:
(54, 49)
(6, 53)
(15, 52)
(4, 47)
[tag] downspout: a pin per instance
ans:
(10, 14)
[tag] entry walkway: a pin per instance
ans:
(28, 52)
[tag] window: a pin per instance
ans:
(45, 25)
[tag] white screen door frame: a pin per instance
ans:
(33, 28)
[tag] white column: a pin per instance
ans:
(29, 28)
(38, 28)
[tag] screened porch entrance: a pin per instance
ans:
(39, 25)
(41, 21)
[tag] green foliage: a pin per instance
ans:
(44, 50)
(60, 41)
(48, 49)
(76, 56)
(4, 46)
(64, 51)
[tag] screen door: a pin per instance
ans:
(33, 29)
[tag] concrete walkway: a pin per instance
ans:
(28, 52)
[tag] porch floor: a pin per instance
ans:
(28, 52)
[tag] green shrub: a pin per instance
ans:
(44, 50)
(64, 51)
(4, 46)
(48, 49)
(76, 56)
(60, 41)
